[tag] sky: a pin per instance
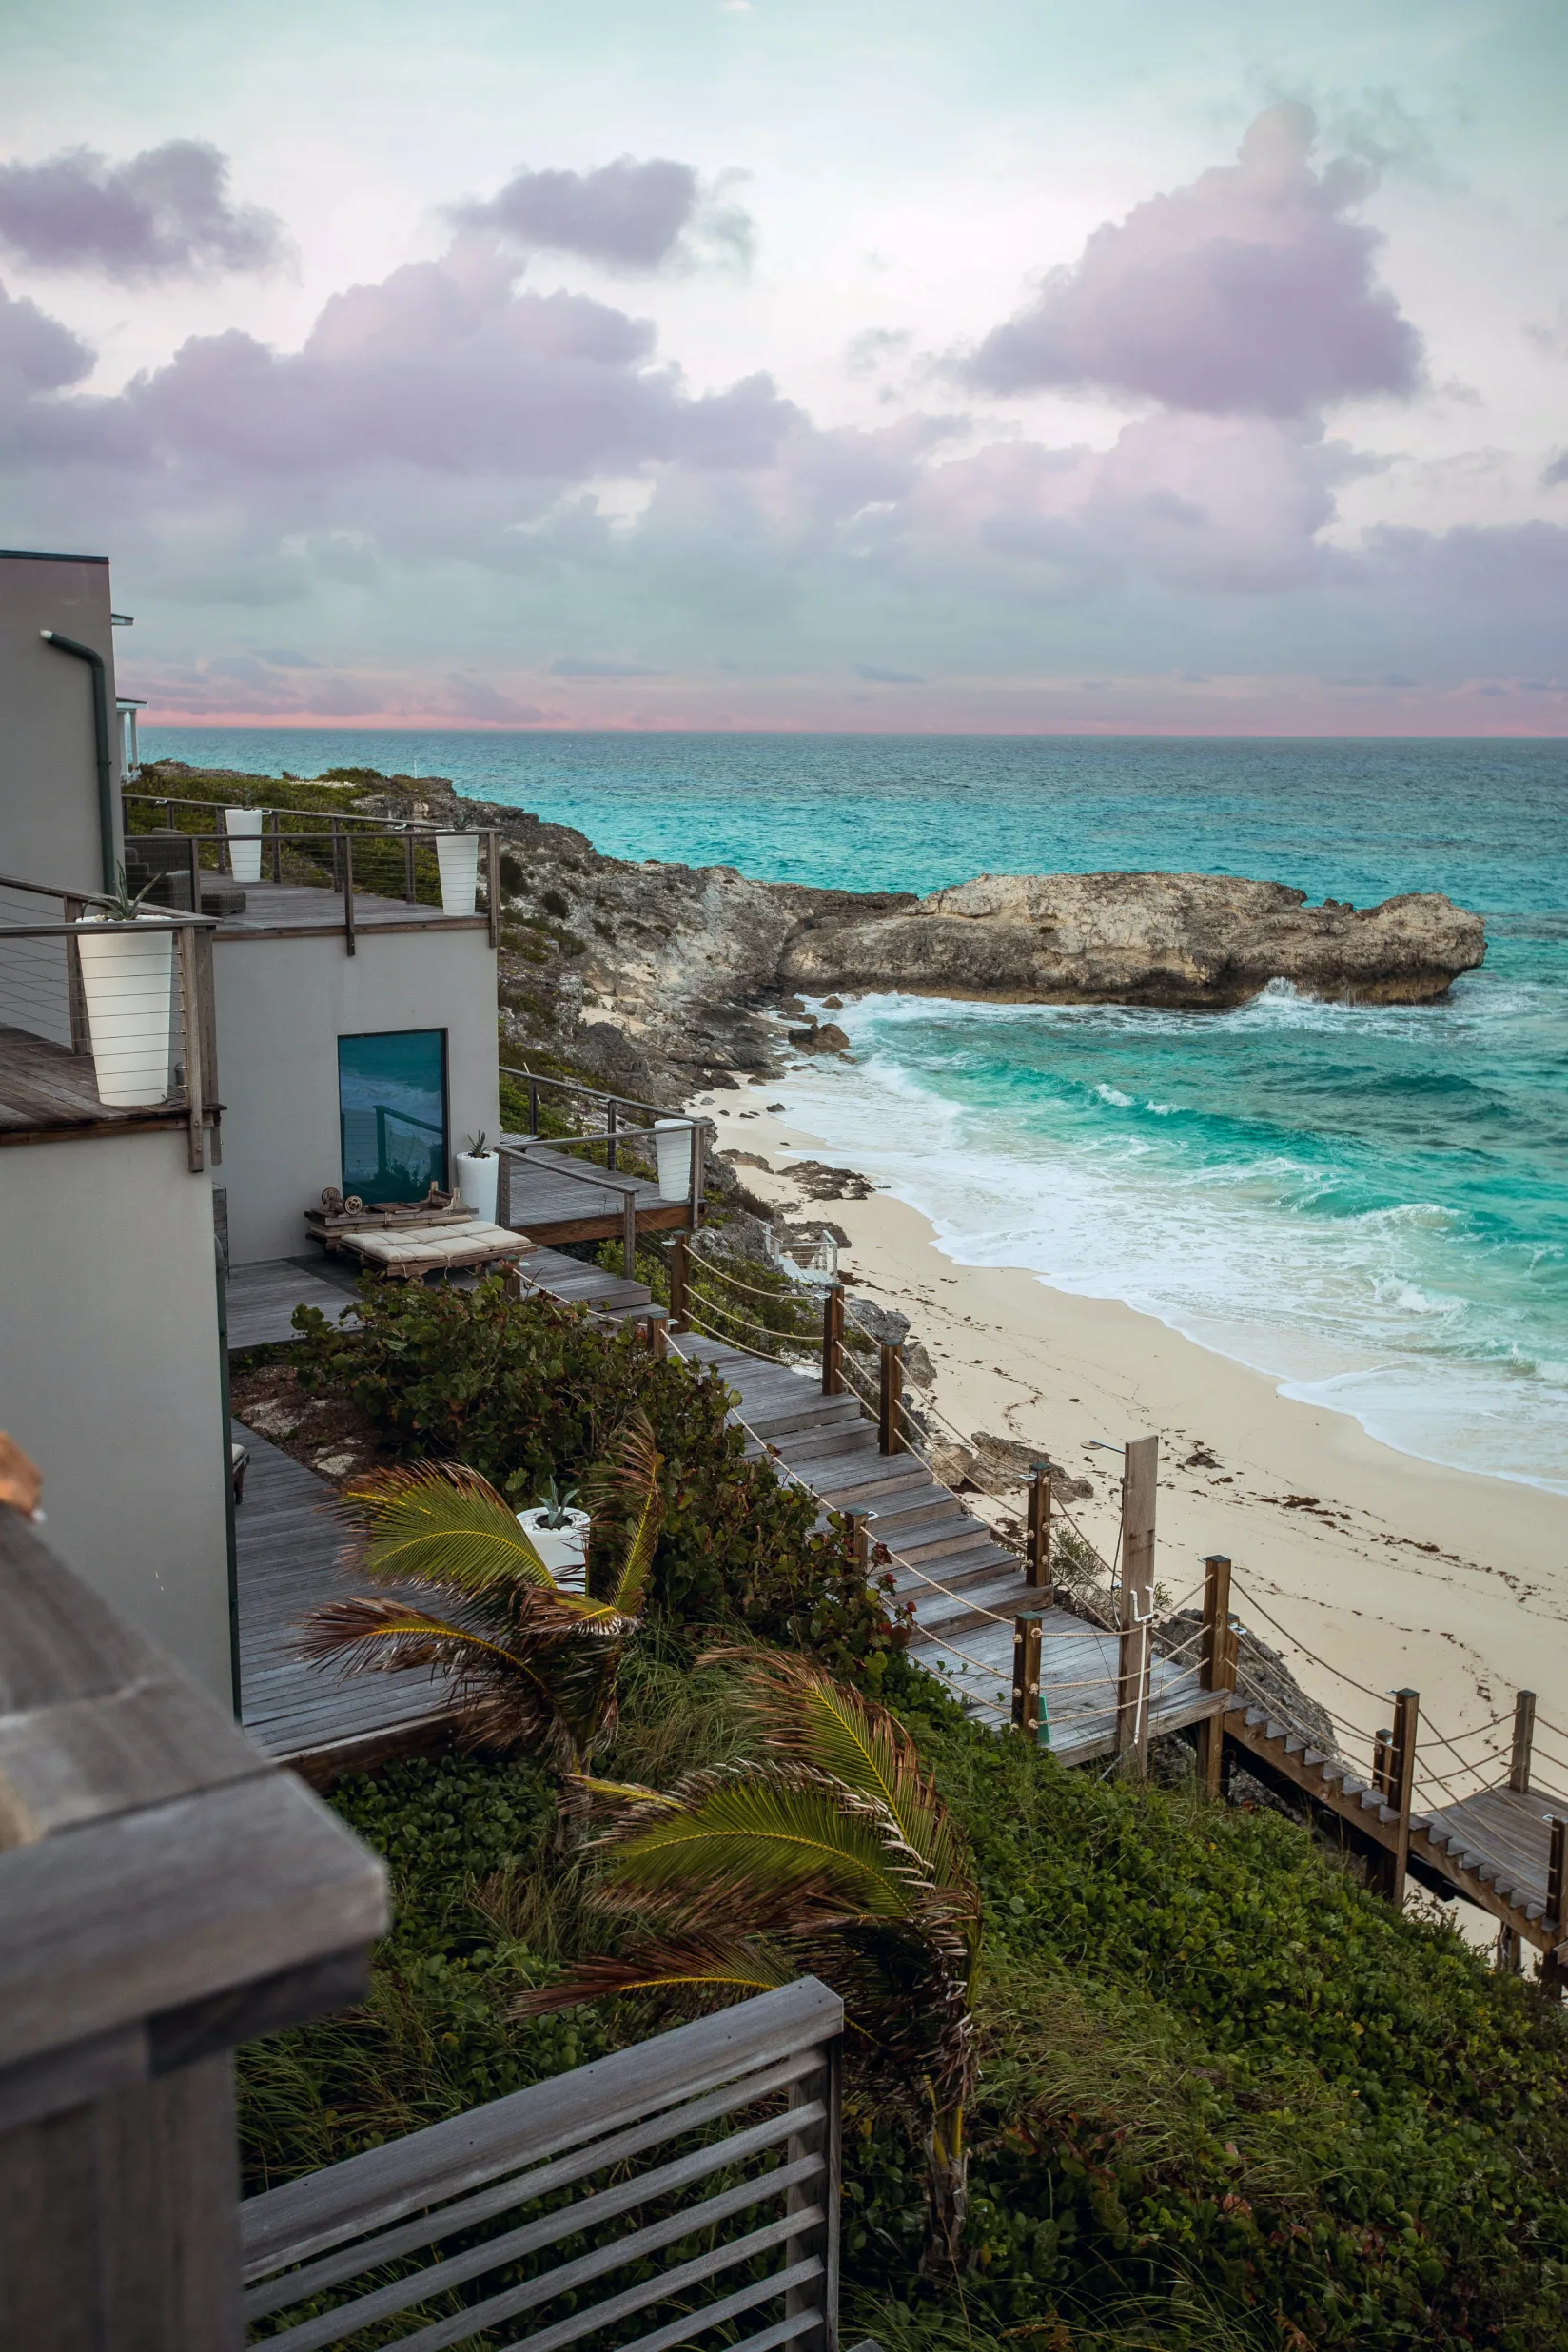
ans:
(818, 364)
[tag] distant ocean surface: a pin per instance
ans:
(1369, 1203)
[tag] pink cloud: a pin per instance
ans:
(1249, 292)
(164, 213)
(628, 214)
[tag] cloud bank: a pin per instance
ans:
(627, 214)
(167, 213)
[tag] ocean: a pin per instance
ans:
(1368, 1203)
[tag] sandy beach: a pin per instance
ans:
(1379, 1570)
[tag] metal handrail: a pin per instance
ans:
(216, 808)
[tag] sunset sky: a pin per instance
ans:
(1014, 365)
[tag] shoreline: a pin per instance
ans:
(1390, 1570)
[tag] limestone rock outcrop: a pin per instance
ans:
(1207, 940)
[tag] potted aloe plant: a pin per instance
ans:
(458, 859)
(477, 1169)
(127, 978)
(558, 1534)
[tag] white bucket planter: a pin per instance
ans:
(127, 978)
(244, 827)
(458, 856)
(477, 1183)
(673, 1151)
(563, 1549)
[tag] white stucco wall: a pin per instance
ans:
(109, 1378)
(48, 778)
(282, 1004)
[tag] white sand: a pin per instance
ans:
(1443, 1581)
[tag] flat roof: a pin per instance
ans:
(43, 555)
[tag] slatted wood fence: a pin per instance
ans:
(691, 2180)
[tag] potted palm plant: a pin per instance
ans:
(477, 1169)
(457, 862)
(127, 979)
(530, 1661)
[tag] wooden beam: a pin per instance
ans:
(1037, 1556)
(1026, 1675)
(833, 1339)
(1554, 1968)
(681, 1274)
(1216, 1669)
(1402, 1777)
(1139, 1479)
(890, 1402)
(1524, 1740)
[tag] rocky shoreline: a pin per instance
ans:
(652, 976)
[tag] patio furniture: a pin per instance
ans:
(409, 1251)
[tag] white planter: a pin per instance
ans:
(564, 1550)
(673, 1151)
(458, 856)
(244, 827)
(477, 1183)
(127, 978)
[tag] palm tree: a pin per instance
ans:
(532, 1665)
(833, 1854)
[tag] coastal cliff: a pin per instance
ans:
(647, 975)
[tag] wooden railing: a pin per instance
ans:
(704, 2163)
(166, 1893)
(606, 1139)
(41, 994)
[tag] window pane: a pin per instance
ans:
(392, 1110)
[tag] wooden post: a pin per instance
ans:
(349, 892)
(833, 1341)
(533, 1103)
(699, 1128)
(611, 1135)
(681, 1275)
(1524, 1740)
(492, 883)
(81, 1032)
(628, 1235)
(1037, 1570)
(1554, 1965)
(1026, 1675)
(657, 1325)
(1139, 1476)
(277, 851)
(336, 856)
(1508, 1954)
(408, 890)
(860, 1538)
(1216, 1669)
(195, 874)
(1394, 1861)
(890, 1402)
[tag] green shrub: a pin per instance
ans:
(528, 1389)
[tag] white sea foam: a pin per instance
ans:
(1341, 1310)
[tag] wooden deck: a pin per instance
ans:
(45, 1090)
(551, 1195)
(287, 1544)
(276, 910)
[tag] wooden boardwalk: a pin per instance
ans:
(552, 1195)
(274, 909)
(964, 1588)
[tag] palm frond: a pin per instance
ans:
(628, 1480)
(438, 1523)
(804, 1714)
(781, 1836)
(705, 1974)
(628, 1792)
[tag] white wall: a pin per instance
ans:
(282, 1004)
(109, 1378)
(48, 778)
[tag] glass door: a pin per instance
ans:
(392, 1113)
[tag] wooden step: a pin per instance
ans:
(945, 1544)
(782, 1419)
(852, 1481)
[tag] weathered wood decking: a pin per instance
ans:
(964, 1587)
(551, 1195)
(278, 910)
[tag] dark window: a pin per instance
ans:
(392, 1113)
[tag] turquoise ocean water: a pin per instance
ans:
(1369, 1203)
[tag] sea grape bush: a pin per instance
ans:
(527, 1389)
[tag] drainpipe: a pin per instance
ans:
(101, 738)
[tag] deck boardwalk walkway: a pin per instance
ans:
(288, 1547)
(965, 1589)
